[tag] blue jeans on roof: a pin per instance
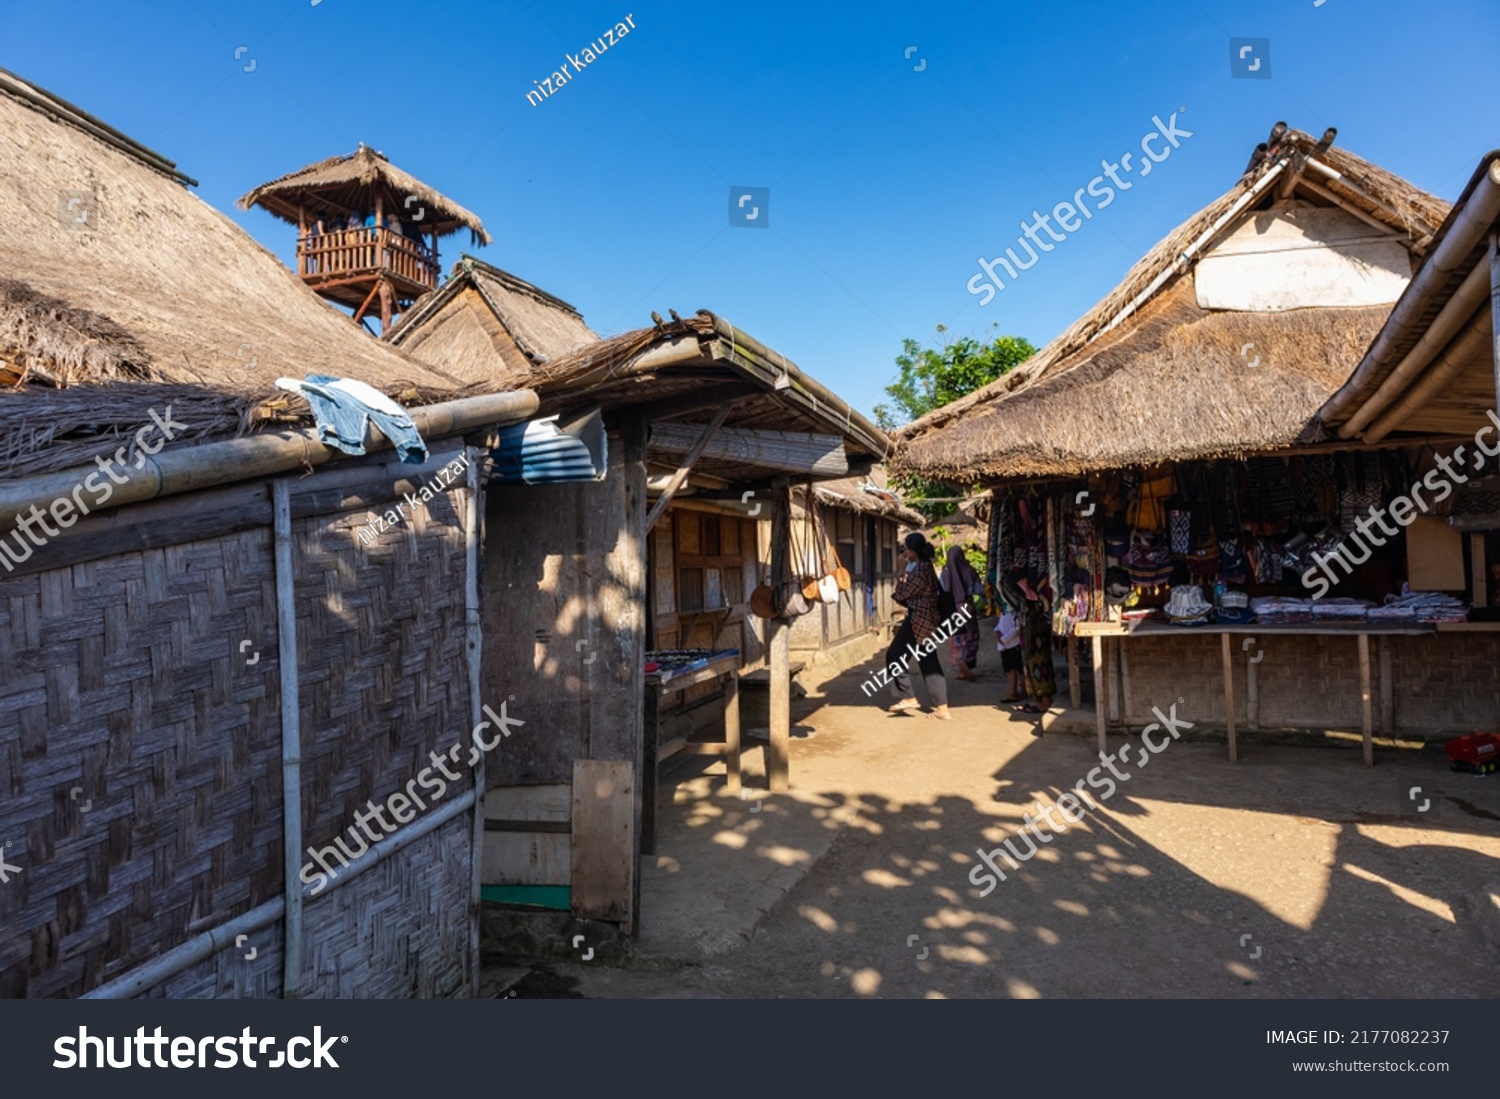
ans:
(343, 420)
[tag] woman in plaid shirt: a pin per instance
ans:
(917, 590)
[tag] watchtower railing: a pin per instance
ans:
(365, 251)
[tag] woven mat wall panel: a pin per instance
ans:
(231, 974)
(1447, 683)
(402, 928)
(381, 645)
(1443, 683)
(123, 690)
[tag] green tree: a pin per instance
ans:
(931, 377)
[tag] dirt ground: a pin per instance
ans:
(1296, 872)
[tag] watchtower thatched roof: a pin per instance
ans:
(343, 183)
(1155, 373)
(483, 320)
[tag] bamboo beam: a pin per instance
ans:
(291, 739)
(474, 639)
(683, 470)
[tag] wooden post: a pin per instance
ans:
(1365, 700)
(379, 209)
(1075, 688)
(1100, 718)
(1387, 688)
(732, 733)
(1126, 706)
(386, 302)
(631, 576)
(651, 771)
(1234, 752)
(301, 237)
(778, 752)
(1479, 575)
(1111, 684)
(1252, 686)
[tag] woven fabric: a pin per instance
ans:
(1180, 524)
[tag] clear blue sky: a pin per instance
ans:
(886, 183)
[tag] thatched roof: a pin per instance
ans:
(683, 371)
(483, 320)
(849, 493)
(343, 183)
(1431, 369)
(118, 282)
(1148, 375)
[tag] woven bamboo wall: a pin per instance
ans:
(1441, 684)
(124, 676)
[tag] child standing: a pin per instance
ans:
(1008, 641)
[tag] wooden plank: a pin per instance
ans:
(1234, 753)
(604, 840)
(1366, 720)
(1127, 708)
(1100, 720)
(732, 734)
(562, 826)
(533, 856)
(665, 499)
(1387, 688)
(1075, 688)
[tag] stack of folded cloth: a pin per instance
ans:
(1340, 610)
(1281, 609)
(1420, 607)
(1187, 607)
(1233, 609)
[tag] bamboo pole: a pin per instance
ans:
(474, 628)
(291, 740)
(187, 468)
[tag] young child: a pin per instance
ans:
(1008, 641)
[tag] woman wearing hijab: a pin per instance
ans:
(917, 590)
(961, 581)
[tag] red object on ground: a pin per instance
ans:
(1475, 748)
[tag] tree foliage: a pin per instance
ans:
(931, 377)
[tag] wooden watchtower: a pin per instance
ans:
(367, 232)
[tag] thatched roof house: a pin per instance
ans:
(173, 293)
(1432, 369)
(1225, 339)
(215, 665)
(483, 320)
(334, 186)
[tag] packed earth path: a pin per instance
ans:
(1295, 873)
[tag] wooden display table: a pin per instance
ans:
(725, 666)
(1105, 669)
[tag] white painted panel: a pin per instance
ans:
(1296, 256)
